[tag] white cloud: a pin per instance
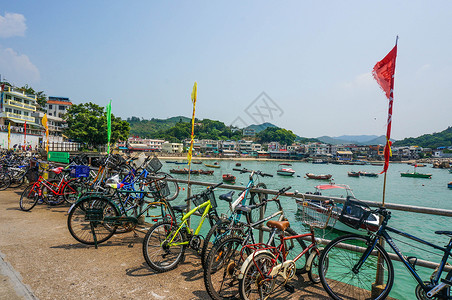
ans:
(12, 25)
(364, 80)
(17, 68)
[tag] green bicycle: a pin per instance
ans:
(165, 243)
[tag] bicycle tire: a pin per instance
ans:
(253, 285)
(29, 197)
(73, 190)
(17, 180)
(156, 247)
(82, 229)
(339, 279)
(216, 231)
(172, 185)
(222, 268)
(313, 272)
(257, 198)
(5, 181)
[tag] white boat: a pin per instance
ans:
(285, 170)
(372, 221)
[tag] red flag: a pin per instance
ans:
(383, 73)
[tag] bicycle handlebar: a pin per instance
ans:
(210, 188)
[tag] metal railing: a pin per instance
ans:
(392, 206)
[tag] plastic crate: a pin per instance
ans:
(62, 157)
(79, 171)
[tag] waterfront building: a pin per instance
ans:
(249, 132)
(274, 146)
(139, 144)
(17, 107)
(172, 147)
(55, 108)
(228, 145)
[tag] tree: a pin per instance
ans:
(87, 123)
(276, 134)
(41, 98)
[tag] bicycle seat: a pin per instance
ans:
(57, 170)
(281, 225)
(243, 208)
(444, 232)
(180, 208)
(227, 197)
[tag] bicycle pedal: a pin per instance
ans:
(290, 288)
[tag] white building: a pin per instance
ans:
(172, 147)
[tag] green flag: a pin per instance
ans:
(108, 125)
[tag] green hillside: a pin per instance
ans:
(434, 140)
(148, 128)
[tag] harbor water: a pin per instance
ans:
(432, 193)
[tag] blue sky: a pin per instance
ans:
(313, 59)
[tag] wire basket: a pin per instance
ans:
(159, 189)
(317, 214)
(354, 213)
(153, 165)
(203, 198)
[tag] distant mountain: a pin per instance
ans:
(260, 127)
(354, 139)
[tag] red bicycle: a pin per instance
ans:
(51, 192)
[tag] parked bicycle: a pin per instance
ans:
(358, 267)
(165, 243)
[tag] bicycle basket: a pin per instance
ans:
(204, 197)
(317, 214)
(153, 165)
(159, 189)
(354, 213)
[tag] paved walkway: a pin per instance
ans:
(40, 259)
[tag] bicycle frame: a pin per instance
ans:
(207, 206)
(382, 233)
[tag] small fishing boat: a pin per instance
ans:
(285, 170)
(415, 174)
(206, 172)
(319, 177)
(228, 178)
(183, 171)
(353, 174)
(449, 185)
(196, 162)
(170, 161)
(238, 164)
(368, 174)
(377, 164)
(319, 161)
(181, 163)
(214, 165)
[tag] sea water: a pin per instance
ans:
(432, 193)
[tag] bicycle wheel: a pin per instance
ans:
(218, 230)
(256, 198)
(313, 272)
(17, 179)
(172, 185)
(159, 255)
(86, 220)
(222, 268)
(73, 190)
(29, 197)
(254, 285)
(341, 281)
(5, 181)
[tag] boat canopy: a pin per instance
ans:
(332, 186)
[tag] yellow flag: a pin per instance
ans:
(9, 135)
(44, 121)
(193, 100)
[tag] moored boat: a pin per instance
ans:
(238, 164)
(319, 177)
(416, 175)
(319, 161)
(285, 170)
(206, 172)
(372, 221)
(449, 185)
(368, 174)
(214, 165)
(228, 178)
(353, 174)
(196, 162)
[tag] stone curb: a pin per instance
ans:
(15, 284)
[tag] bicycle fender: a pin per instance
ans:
(311, 258)
(249, 260)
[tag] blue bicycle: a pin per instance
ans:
(358, 267)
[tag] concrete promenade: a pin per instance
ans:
(41, 260)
